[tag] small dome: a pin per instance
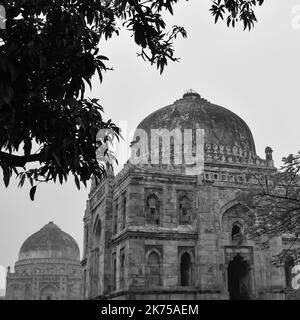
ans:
(221, 126)
(50, 242)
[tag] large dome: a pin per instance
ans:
(50, 242)
(221, 126)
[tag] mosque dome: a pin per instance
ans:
(221, 126)
(50, 242)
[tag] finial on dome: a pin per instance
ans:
(191, 93)
(51, 224)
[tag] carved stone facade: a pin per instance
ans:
(169, 234)
(48, 268)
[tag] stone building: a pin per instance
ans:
(172, 231)
(48, 268)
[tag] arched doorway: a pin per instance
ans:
(49, 292)
(238, 272)
(288, 266)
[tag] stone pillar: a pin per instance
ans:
(277, 278)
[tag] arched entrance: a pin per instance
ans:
(49, 292)
(288, 266)
(239, 279)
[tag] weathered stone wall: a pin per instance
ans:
(207, 238)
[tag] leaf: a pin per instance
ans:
(77, 182)
(140, 38)
(6, 175)
(32, 192)
(22, 180)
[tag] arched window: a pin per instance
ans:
(186, 270)
(236, 232)
(86, 236)
(122, 269)
(185, 212)
(288, 266)
(115, 219)
(94, 281)
(153, 210)
(84, 284)
(124, 213)
(97, 233)
(114, 262)
(153, 270)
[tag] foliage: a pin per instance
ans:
(275, 202)
(236, 11)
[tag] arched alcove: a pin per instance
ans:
(234, 219)
(236, 232)
(186, 270)
(289, 263)
(122, 270)
(185, 210)
(153, 210)
(114, 285)
(97, 233)
(153, 269)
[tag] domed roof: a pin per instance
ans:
(221, 126)
(50, 242)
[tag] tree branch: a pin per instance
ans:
(19, 161)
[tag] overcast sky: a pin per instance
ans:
(254, 74)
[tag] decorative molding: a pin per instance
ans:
(158, 234)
